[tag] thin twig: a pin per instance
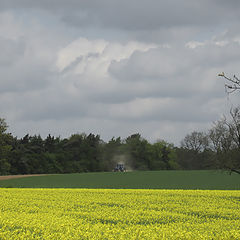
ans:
(235, 83)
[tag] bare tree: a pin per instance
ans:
(225, 141)
(234, 125)
(220, 137)
(196, 141)
(233, 84)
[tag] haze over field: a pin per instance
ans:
(116, 67)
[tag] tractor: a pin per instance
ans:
(119, 168)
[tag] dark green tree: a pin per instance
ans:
(138, 150)
(5, 148)
(164, 156)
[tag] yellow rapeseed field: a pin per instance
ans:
(119, 214)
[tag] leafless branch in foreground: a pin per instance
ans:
(233, 83)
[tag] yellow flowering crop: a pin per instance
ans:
(119, 214)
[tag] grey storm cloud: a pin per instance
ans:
(11, 51)
(134, 15)
(116, 67)
(156, 109)
(176, 71)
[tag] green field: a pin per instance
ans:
(132, 180)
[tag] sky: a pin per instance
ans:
(116, 68)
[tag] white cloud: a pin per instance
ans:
(85, 53)
(194, 44)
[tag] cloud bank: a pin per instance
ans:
(116, 68)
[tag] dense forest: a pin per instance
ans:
(218, 148)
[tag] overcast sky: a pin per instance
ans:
(116, 68)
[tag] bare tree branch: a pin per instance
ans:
(231, 170)
(234, 83)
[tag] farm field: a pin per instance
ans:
(119, 214)
(215, 180)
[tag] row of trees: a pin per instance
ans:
(81, 153)
(219, 148)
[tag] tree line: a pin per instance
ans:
(218, 148)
